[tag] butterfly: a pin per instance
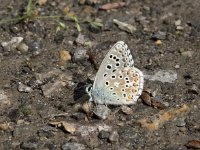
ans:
(117, 81)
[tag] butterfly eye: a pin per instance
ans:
(88, 88)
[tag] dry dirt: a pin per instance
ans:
(39, 98)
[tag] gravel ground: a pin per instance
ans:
(52, 50)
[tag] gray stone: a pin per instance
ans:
(187, 54)
(4, 100)
(73, 146)
(11, 45)
(29, 145)
(114, 136)
(194, 89)
(159, 35)
(103, 134)
(163, 76)
(124, 26)
(24, 88)
(126, 110)
(80, 54)
(177, 22)
(22, 47)
(80, 39)
(50, 89)
(102, 111)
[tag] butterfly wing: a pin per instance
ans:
(117, 81)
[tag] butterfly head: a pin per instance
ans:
(89, 91)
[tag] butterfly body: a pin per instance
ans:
(117, 81)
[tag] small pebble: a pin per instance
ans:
(181, 122)
(69, 127)
(126, 110)
(4, 100)
(24, 88)
(158, 42)
(187, 53)
(103, 134)
(22, 47)
(35, 46)
(114, 137)
(179, 28)
(80, 39)
(11, 45)
(50, 89)
(189, 82)
(80, 54)
(124, 26)
(108, 24)
(166, 104)
(159, 35)
(146, 98)
(177, 66)
(158, 104)
(177, 23)
(78, 116)
(102, 111)
(194, 89)
(64, 55)
(70, 42)
(73, 146)
(87, 107)
(4, 126)
(182, 129)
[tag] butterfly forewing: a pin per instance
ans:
(118, 57)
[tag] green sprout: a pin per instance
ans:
(95, 24)
(30, 14)
(75, 20)
(60, 26)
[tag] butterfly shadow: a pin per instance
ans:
(80, 92)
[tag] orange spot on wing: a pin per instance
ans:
(129, 97)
